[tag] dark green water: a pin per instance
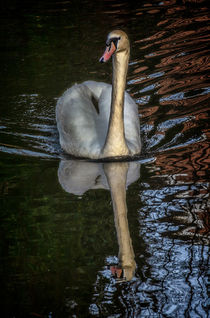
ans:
(59, 247)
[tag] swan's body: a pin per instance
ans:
(110, 128)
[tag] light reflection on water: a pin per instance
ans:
(59, 250)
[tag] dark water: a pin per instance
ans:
(59, 241)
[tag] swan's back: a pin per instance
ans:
(83, 125)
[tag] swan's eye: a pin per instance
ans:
(115, 41)
(112, 41)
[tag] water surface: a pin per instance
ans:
(59, 233)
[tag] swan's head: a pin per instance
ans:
(117, 41)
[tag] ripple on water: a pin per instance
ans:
(32, 129)
(177, 92)
(56, 243)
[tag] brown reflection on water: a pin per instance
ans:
(170, 77)
(189, 168)
(177, 84)
(185, 102)
(192, 164)
(181, 41)
(153, 37)
(148, 112)
(186, 64)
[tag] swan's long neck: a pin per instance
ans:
(115, 144)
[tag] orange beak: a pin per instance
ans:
(108, 53)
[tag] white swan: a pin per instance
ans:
(96, 120)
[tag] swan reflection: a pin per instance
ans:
(77, 177)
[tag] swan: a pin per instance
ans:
(97, 120)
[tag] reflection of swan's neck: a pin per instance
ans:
(115, 144)
(116, 175)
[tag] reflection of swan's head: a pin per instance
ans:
(117, 41)
(129, 271)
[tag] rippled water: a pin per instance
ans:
(60, 235)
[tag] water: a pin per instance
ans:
(60, 236)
